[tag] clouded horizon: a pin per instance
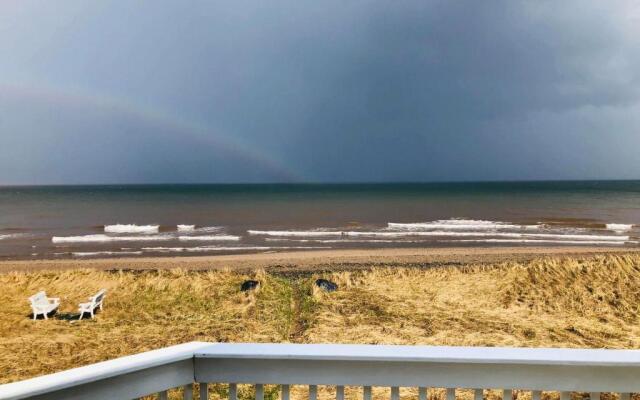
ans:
(167, 91)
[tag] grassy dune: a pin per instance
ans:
(564, 302)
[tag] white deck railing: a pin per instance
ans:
(423, 367)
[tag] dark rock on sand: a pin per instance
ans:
(249, 285)
(326, 285)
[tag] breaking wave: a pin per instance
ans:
(210, 238)
(619, 227)
(106, 239)
(186, 228)
(131, 228)
(106, 253)
(457, 224)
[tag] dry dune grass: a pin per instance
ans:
(567, 302)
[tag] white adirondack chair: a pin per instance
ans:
(41, 304)
(95, 301)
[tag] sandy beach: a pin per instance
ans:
(324, 260)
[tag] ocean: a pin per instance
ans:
(149, 220)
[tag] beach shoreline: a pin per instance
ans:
(319, 260)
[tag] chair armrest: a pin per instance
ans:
(84, 305)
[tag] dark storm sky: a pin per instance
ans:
(204, 91)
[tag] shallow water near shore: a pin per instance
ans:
(148, 220)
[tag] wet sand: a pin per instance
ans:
(320, 260)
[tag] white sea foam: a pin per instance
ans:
(210, 238)
(311, 233)
(186, 228)
(226, 248)
(104, 238)
(619, 227)
(131, 228)
(106, 253)
(436, 233)
(457, 224)
(208, 229)
(12, 236)
(541, 241)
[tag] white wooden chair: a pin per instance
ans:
(41, 304)
(95, 301)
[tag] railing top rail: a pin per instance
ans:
(432, 354)
(99, 371)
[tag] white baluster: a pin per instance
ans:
(163, 395)
(477, 394)
(565, 395)
(535, 395)
(340, 393)
(313, 392)
(625, 396)
(233, 391)
(451, 394)
(395, 393)
(259, 391)
(422, 393)
(204, 391)
(594, 395)
(366, 393)
(285, 392)
(507, 394)
(188, 392)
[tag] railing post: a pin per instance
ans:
(340, 393)
(164, 395)
(233, 391)
(507, 394)
(536, 394)
(366, 393)
(285, 392)
(478, 393)
(188, 392)
(565, 396)
(204, 391)
(594, 395)
(451, 394)
(422, 393)
(259, 391)
(313, 392)
(395, 393)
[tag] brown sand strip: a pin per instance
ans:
(334, 260)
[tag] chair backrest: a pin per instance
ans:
(39, 298)
(97, 298)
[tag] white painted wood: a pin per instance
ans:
(422, 393)
(164, 395)
(507, 394)
(43, 305)
(451, 394)
(259, 391)
(125, 377)
(204, 391)
(535, 395)
(95, 301)
(564, 370)
(340, 393)
(478, 394)
(313, 392)
(285, 392)
(594, 396)
(187, 392)
(395, 393)
(366, 393)
(233, 391)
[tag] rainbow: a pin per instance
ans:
(156, 116)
